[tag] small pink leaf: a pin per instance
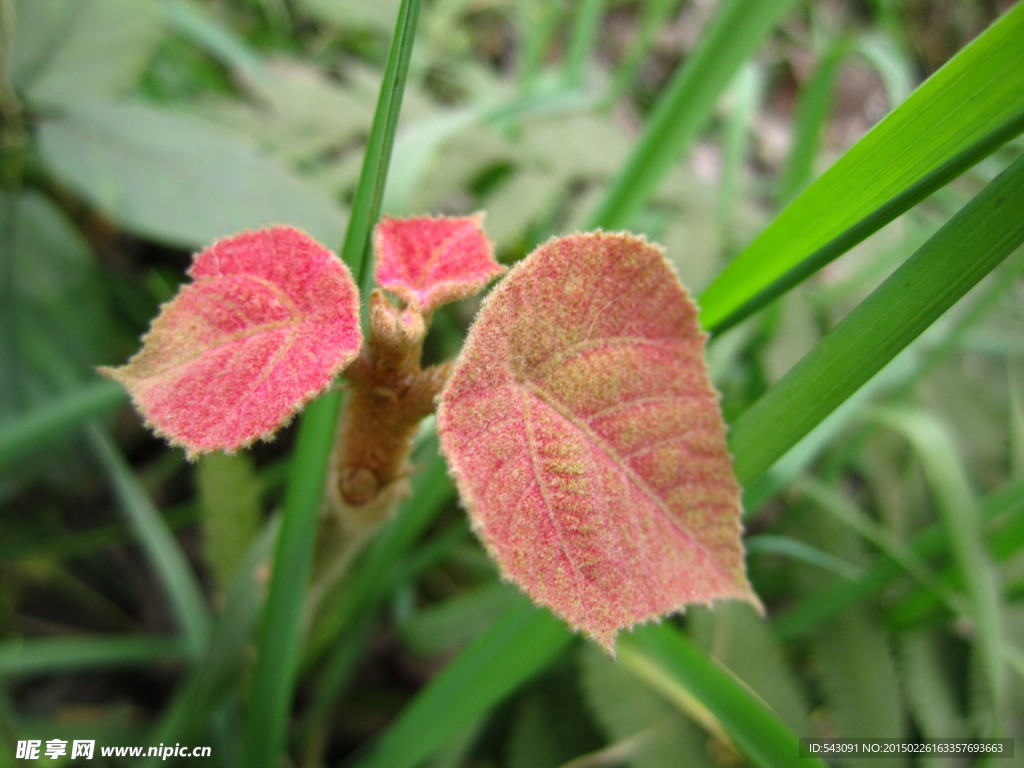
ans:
(430, 261)
(271, 318)
(587, 442)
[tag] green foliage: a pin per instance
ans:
(875, 408)
(229, 496)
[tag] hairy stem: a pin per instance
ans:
(389, 394)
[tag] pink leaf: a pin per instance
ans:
(271, 318)
(587, 441)
(430, 261)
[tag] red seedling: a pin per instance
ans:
(579, 421)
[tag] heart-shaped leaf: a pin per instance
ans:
(587, 441)
(271, 318)
(428, 262)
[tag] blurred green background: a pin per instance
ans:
(135, 132)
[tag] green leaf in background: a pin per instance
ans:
(737, 636)
(82, 51)
(52, 654)
(646, 730)
(229, 500)
(859, 681)
(959, 115)
(175, 179)
(929, 687)
(959, 512)
(166, 558)
(55, 320)
(52, 421)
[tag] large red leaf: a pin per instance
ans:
(271, 318)
(430, 261)
(587, 441)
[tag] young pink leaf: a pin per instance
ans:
(271, 318)
(587, 441)
(430, 261)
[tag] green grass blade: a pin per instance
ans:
(746, 94)
(585, 31)
(20, 436)
(537, 22)
(930, 543)
(280, 634)
(655, 17)
(519, 644)
(209, 35)
(674, 665)
(372, 179)
(61, 654)
(163, 552)
(200, 693)
(962, 113)
(966, 249)
(959, 511)
(1004, 539)
(687, 105)
(834, 502)
(801, 551)
(813, 110)
(282, 623)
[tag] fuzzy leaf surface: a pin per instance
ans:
(271, 317)
(587, 441)
(430, 261)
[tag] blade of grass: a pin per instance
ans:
(335, 674)
(162, 550)
(61, 654)
(959, 511)
(1004, 538)
(960, 115)
(801, 551)
(962, 252)
(831, 500)
(281, 630)
(585, 30)
(210, 680)
(366, 206)
(896, 381)
(670, 662)
(519, 644)
(746, 93)
(280, 633)
(216, 39)
(812, 112)
(928, 544)
(655, 16)
(538, 22)
(686, 106)
(21, 436)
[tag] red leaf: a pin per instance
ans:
(430, 261)
(587, 441)
(271, 318)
